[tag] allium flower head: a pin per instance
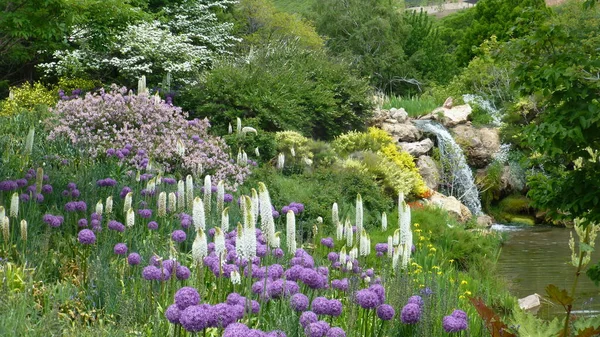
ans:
(367, 299)
(335, 332)
(86, 237)
(196, 318)
(173, 313)
(385, 312)
(178, 235)
(416, 300)
(299, 302)
(134, 259)
(186, 297)
(120, 249)
(151, 273)
(307, 318)
(454, 324)
(411, 314)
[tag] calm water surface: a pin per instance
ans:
(533, 257)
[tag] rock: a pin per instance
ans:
(530, 303)
(430, 171)
(479, 144)
(448, 103)
(417, 149)
(454, 116)
(485, 221)
(400, 115)
(452, 206)
(402, 132)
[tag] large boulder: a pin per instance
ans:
(402, 132)
(452, 116)
(391, 116)
(430, 171)
(452, 206)
(479, 144)
(400, 115)
(419, 148)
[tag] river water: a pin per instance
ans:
(533, 257)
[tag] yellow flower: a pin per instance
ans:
(435, 267)
(416, 225)
(468, 293)
(422, 238)
(451, 260)
(463, 282)
(432, 249)
(421, 286)
(439, 273)
(461, 297)
(417, 231)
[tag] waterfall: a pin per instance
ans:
(456, 173)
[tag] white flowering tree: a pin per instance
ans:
(184, 43)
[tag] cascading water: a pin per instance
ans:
(458, 176)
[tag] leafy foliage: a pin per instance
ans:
(558, 65)
(283, 87)
(492, 321)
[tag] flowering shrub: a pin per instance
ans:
(145, 129)
(27, 96)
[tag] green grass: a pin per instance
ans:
(414, 106)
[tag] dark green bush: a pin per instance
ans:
(264, 141)
(283, 87)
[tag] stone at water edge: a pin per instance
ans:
(400, 115)
(402, 132)
(485, 221)
(417, 149)
(430, 171)
(452, 117)
(452, 206)
(530, 303)
(479, 144)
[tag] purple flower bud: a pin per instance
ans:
(120, 249)
(152, 225)
(178, 235)
(86, 237)
(134, 259)
(411, 314)
(186, 296)
(385, 312)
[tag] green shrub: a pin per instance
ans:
(283, 87)
(515, 204)
(249, 142)
(381, 157)
(27, 97)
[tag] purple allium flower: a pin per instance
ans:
(320, 306)
(151, 273)
(454, 324)
(8, 185)
(47, 189)
(82, 223)
(285, 209)
(315, 330)
(172, 314)
(53, 220)
(416, 300)
(340, 284)
(459, 314)
(367, 299)
(335, 308)
(120, 249)
(276, 333)
(381, 248)
(186, 296)
(294, 209)
(145, 213)
(96, 216)
(124, 192)
(24, 197)
(178, 235)
(86, 237)
(70, 206)
(327, 242)
(196, 317)
(21, 182)
(153, 225)
(313, 279)
(275, 214)
(235, 298)
(236, 330)
(426, 291)
(254, 307)
(299, 302)
(182, 273)
(385, 312)
(275, 271)
(380, 291)
(110, 152)
(39, 198)
(411, 314)
(278, 252)
(307, 318)
(134, 259)
(75, 193)
(227, 197)
(335, 332)
(333, 256)
(115, 226)
(71, 186)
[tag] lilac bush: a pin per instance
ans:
(142, 128)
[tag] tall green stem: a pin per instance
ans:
(574, 287)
